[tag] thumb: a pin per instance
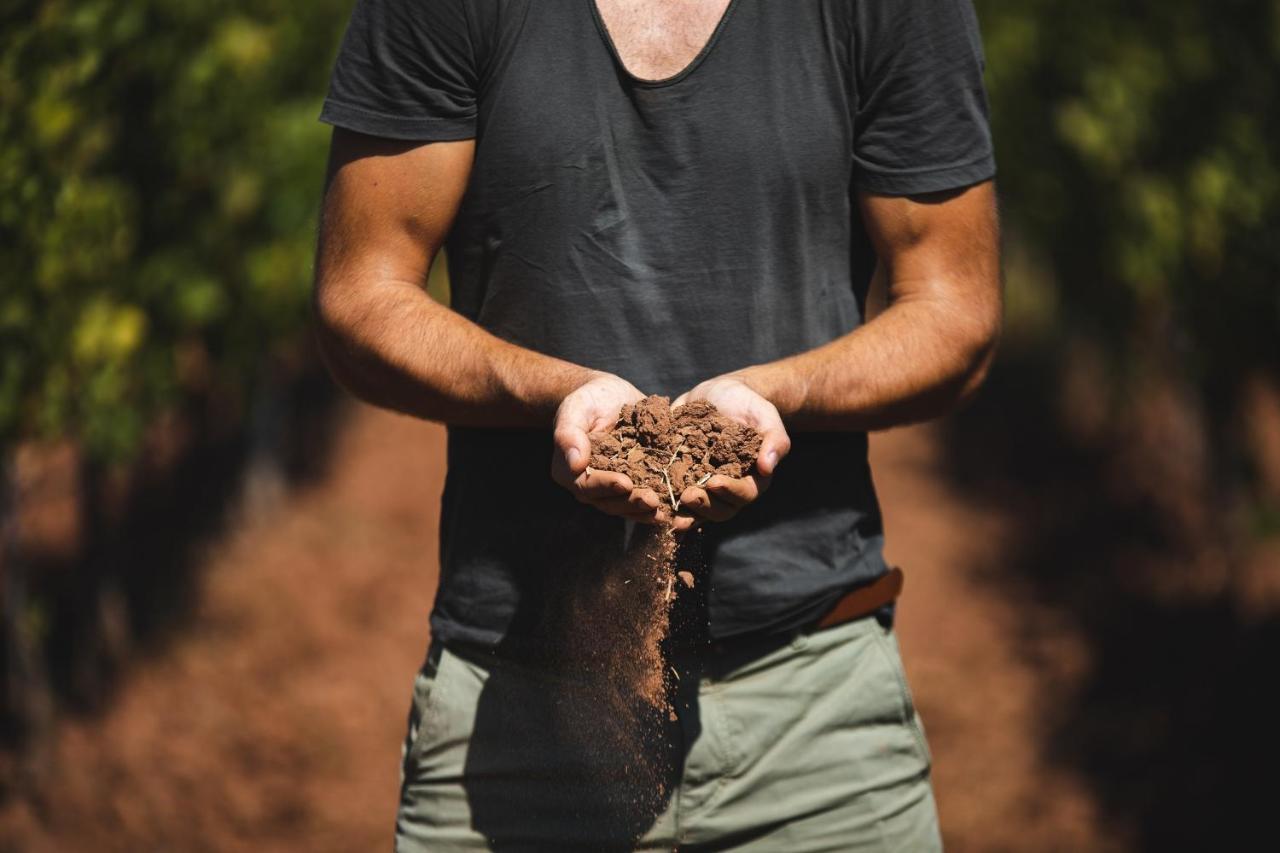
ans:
(773, 447)
(573, 452)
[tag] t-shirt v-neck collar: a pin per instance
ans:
(674, 78)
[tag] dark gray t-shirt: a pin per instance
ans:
(666, 231)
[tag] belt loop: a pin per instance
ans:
(434, 651)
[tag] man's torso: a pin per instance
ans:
(665, 229)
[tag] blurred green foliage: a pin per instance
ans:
(1138, 151)
(160, 167)
(160, 164)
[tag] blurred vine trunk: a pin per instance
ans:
(98, 644)
(26, 709)
(266, 476)
(100, 560)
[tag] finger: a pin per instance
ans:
(638, 502)
(681, 400)
(692, 496)
(738, 491)
(647, 499)
(592, 485)
(774, 445)
(718, 510)
(661, 515)
(652, 509)
(647, 517)
(684, 521)
(617, 506)
(572, 453)
(574, 442)
(698, 502)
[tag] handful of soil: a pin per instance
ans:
(614, 616)
(665, 450)
(668, 450)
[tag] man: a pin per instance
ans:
(690, 198)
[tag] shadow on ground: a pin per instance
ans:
(1171, 723)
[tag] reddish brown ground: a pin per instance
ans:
(984, 699)
(274, 722)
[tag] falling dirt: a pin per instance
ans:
(609, 613)
(666, 450)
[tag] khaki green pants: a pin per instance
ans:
(808, 745)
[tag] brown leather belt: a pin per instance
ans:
(864, 600)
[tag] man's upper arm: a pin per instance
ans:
(923, 159)
(403, 100)
(940, 246)
(388, 206)
(920, 113)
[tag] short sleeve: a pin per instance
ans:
(921, 120)
(406, 70)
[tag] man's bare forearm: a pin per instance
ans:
(394, 346)
(388, 206)
(912, 363)
(930, 349)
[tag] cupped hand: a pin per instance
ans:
(593, 407)
(721, 497)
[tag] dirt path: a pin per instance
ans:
(982, 695)
(274, 724)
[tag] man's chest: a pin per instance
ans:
(657, 39)
(742, 109)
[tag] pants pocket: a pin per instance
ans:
(887, 643)
(420, 710)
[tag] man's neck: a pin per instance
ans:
(657, 39)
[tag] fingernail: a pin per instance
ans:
(573, 456)
(771, 457)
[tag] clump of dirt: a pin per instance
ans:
(668, 450)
